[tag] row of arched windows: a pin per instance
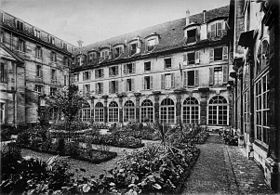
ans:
(217, 111)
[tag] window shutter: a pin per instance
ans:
(184, 57)
(211, 55)
(211, 76)
(219, 29)
(101, 88)
(89, 75)
(124, 69)
(24, 46)
(151, 82)
(110, 87)
(162, 81)
(225, 53)
(143, 83)
(96, 74)
(196, 78)
(197, 34)
(96, 88)
(225, 74)
(133, 68)
(185, 79)
(102, 72)
(213, 30)
(126, 85)
(197, 56)
(117, 86)
(110, 71)
(132, 84)
(172, 80)
(41, 72)
(117, 70)
(84, 76)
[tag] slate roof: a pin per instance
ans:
(171, 33)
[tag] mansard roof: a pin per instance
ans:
(171, 33)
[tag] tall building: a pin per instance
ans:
(169, 73)
(257, 85)
(34, 63)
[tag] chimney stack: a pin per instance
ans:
(204, 16)
(187, 17)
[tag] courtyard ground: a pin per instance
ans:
(220, 169)
(223, 169)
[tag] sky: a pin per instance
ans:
(96, 20)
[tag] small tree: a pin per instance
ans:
(68, 101)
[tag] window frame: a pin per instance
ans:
(129, 111)
(113, 112)
(165, 63)
(214, 111)
(168, 110)
(147, 111)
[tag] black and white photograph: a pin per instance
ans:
(128, 97)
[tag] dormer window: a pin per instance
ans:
(37, 33)
(104, 54)
(92, 56)
(133, 48)
(191, 36)
(151, 43)
(80, 60)
(118, 50)
(19, 25)
(216, 29)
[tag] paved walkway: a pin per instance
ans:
(223, 169)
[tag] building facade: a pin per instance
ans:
(45, 69)
(256, 65)
(175, 72)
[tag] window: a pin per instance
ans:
(129, 68)
(76, 77)
(246, 111)
(147, 66)
(151, 43)
(167, 111)
(99, 73)
(99, 112)
(86, 75)
(191, 36)
(85, 114)
(65, 61)
(37, 33)
(191, 78)
(38, 88)
(262, 109)
(113, 112)
(2, 113)
(19, 25)
(64, 46)
(53, 75)
(52, 91)
(99, 88)
(92, 56)
(113, 87)
(39, 71)
(191, 58)
(218, 76)
(167, 81)
(104, 54)
(129, 85)
(148, 83)
(262, 56)
(53, 113)
(118, 51)
(191, 111)
(21, 45)
(53, 56)
(65, 78)
(133, 48)
(80, 60)
(51, 40)
(216, 30)
(3, 73)
(167, 63)
(113, 71)
(147, 111)
(38, 52)
(129, 111)
(86, 89)
(218, 111)
(219, 53)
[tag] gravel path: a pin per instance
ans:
(91, 169)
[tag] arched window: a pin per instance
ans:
(129, 111)
(85, 112)
(147, 111)
(53, 113)
(167, 111)
(99, 112)
(113, 112)
(218, 111)
(191, 111)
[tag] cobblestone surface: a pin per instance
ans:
(222, 169)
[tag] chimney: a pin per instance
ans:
(204, 16)
(187, 17)
(80, 43)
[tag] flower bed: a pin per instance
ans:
(145, 133)
(112, 140)
(65, 149)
